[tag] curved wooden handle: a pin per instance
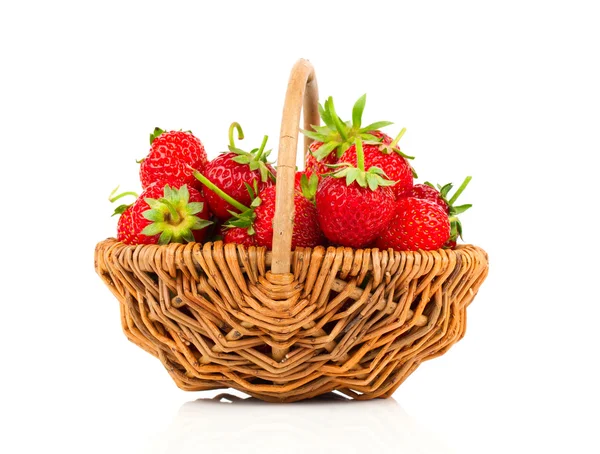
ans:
(302, 90)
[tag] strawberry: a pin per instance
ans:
(417, 224)
(238, 235)
(313, 165)
(386, 155)
(440, 197)
(354, 211)
(162, 215)
(232, 170)
(171, 159)
(336, 136)
(257, 219)
(306, 224)
(425, 191)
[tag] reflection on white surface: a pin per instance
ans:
(331, 424)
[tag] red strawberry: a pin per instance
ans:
(257, 219)
(440, 197)
(163, 215)
(354, 211)
(336, 136)
(171, 159)
(232, 170)
(417, 224)
(306, 225)
(387, 156)
(238, 235)
(424, 191)
(313, 165)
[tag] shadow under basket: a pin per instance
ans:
(286, 325)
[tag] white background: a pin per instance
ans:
(505, 91)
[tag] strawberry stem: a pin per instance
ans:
(398, 137)
(235, 125)
(339, 125)
(113, 198)
(360, 155)
(214, 188)
(172, 210)
(262, 147)
(459, 190)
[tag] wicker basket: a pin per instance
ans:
(289, 325)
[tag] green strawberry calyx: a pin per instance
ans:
(337, 135)
(113, 197)
(372, 178)
(173, 216)
(453, 210)
(158, 132)
(245, 218)
(256, 159)
(154, 134)
(308, 186)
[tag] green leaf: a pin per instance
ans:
(154, 215)
(313, 135)
(120, 210)
(153, 229)
(154, 134)
(242, 159)
(361, 179)
(264, 173)
(165, 237)
(183, 195)
(168, 193)
(250, 190)
(444, 190)
(200, 223)
(372, 181)
(256, 202)
(326, 116)
(375, 126)
(188, 236)
(460, 209)
(357, 111)
(152, 203)
(401, 153)
(367, 138)
(324, 150)
(195, 207)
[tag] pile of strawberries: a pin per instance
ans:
(357, 190)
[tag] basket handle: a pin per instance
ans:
(302, 90)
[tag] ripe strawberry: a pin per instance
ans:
(306, 224)
(162, 215)
(386, 155)
(336, 136)
(232, 170)
(238, 235)
(171, 159)
(313, 165)
(417, 224)
(354, 211)
(424, 191)
(257, 219)
(440, 197)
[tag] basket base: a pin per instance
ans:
(354, 321)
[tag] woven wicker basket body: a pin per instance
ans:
(289, 325)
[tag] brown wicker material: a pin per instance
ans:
(289, 325)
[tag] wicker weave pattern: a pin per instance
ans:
(356, 321)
